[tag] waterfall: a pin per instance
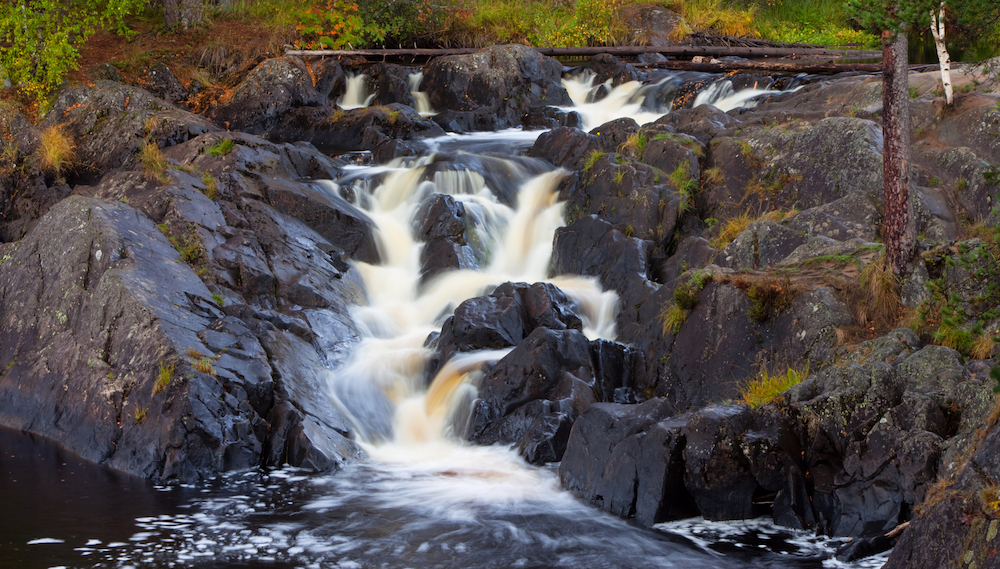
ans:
(420, 98)
(356, 96)
(381, 386)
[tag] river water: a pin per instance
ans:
(422, 498)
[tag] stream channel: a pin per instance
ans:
(422, 498)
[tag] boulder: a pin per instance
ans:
(499, 84)
(259, 102)
(565, 147)
(606, 67)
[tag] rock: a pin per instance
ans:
(854, 216)
(337, 131)
(499, 84)
(614, 134)
(592, 247)
(109, 121)
(162, 82)
(653, 23)
(628, 459)
(265, 95)
(565, 147)
(118, 310)
(703, 123)
(546, 381)
(762, 244)
(692, 253)
(717, 474)
(606, 67)
(392, 84)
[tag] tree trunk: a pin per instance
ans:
(937, 30)
(182, 12)
(897, 232)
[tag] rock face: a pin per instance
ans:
(498, 85)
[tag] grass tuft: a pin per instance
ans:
(163, 377)
(56, 150)
(731, 229)
(220, 148)
(672, 317)
(211, 190)
(204, 366)
(765, 388)
(153, 162)
(882, 302)
(592, 159)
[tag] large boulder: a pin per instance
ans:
(265, 95)
(499, 84)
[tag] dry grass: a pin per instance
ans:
(153, 162)
(983, 347)
(765, 388)
(672, 317)
(731, 230)
(204, 366)
(881, 303)
(56, 151)
(711, 15)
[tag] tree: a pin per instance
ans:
(182, 12)
(39, 38)
(894, 18)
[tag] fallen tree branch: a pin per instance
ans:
(675, 51)
(770, 66)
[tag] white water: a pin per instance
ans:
(381, 387)
(629, 99)
(356, 96)
(420, 98)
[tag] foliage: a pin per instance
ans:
(768, 298)
(685, 186)
(977, 17)
(218, 299)
(808, 21)
(56, 150)
(140, 415)
(714, 16)
(211, 186)
(592, 159)
(39, 39)
(220, 148)
(765, 388)
(672, 317)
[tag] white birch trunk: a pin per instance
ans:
(937, 30)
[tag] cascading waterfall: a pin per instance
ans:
(420, 99)
(356, 95)
(380, 388)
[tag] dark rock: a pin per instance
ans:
(549, 374)
(109, 121)
(499, 84)
(162, 82)
(260, 101)
(392, 84)
(692, 253)
(606, 66)
(717, 473)
(565, 147)
(356, 129)
(613, 134)
(593, 247)
(330, 79)
(703, 123)
(763, 244)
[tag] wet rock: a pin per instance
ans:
(591, 246)
(357, 129)
(499, 84)
(692, 253)
(565, 147)
(612, 135)
(703, 123)
(605, 66)
(628, 459)
(392, 84)
(548, 379)
(717, 473)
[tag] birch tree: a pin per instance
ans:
(944, 59)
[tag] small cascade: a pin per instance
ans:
(514, 215)
(647, 103)
(420, 98)
(356, 96)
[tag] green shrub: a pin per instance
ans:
(220, 148)
(765, 388)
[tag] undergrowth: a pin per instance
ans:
(765, 387)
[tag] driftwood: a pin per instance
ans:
(675, 51)
(769, 66)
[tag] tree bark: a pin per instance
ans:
(937, 30)
(897, 232)
(182, 12)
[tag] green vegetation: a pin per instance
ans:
(204, 366)
(163, 377)
(218, 299)
(220, 148)
(40, 39)
(140, 415)
(152, 160)
(672, 317)
(768, 298)
(635, 145)
(685, 186)
(685, 298)
(211, 190)
(592, 159)
(765, 388)
(731, 229)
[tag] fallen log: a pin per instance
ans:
(769, 66)
(675, 51)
